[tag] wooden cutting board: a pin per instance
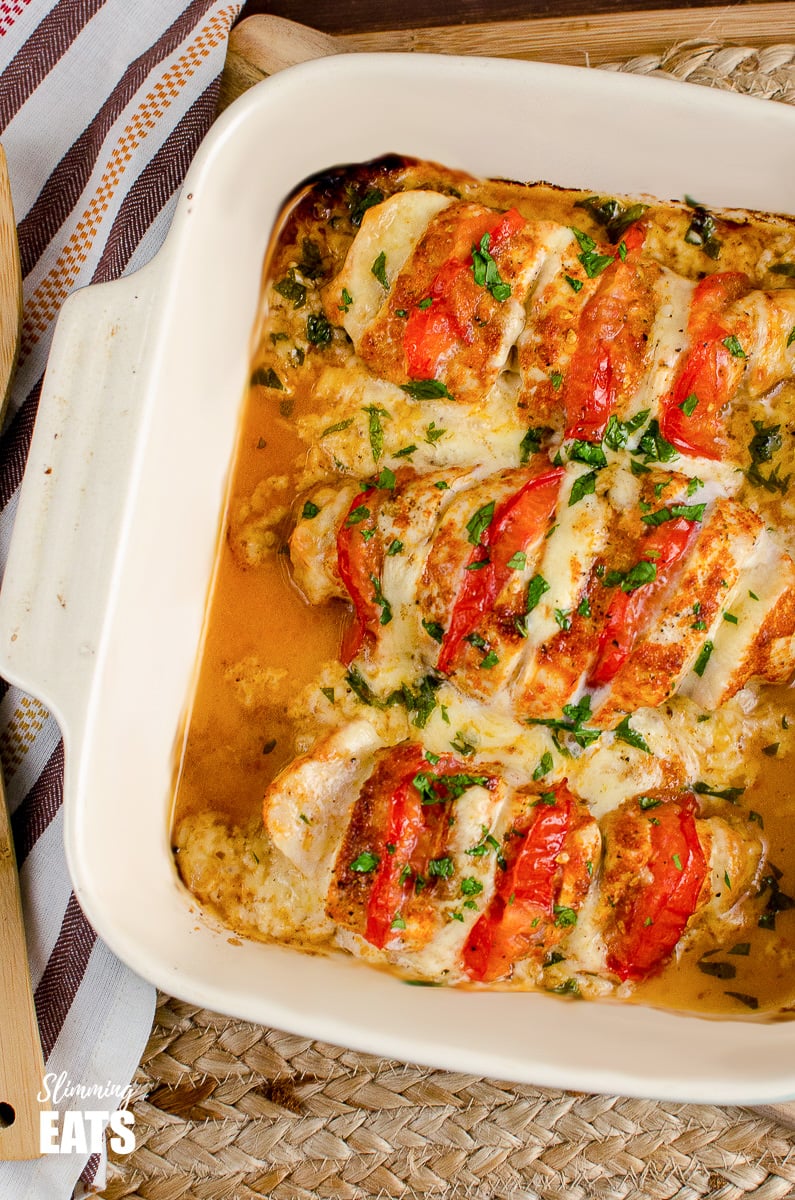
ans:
(262, 45)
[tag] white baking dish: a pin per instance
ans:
(102, 606)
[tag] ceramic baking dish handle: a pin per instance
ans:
(70, 516)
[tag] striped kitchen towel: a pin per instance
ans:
(102, 106)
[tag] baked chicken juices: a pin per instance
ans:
(495, 688)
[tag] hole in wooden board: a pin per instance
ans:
(7, 1115)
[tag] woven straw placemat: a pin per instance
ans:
(226, 1110)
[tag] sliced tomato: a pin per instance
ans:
(665, 546)
(358, 560)
(652, 919)
(606, 347)
(413, 831)
(709, 374)
(519, 521)
(523, 909)
(433, 331)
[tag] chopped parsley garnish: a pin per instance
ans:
(531, 442)
(744, 998)
(267, 377)
(654, 446)
(517, 561)
(545, 765)
(426, 303)
(765, 443)
(647, 802)
(584, 485)
(380, 270)
(783, 268)
(690, 512)
(358, 205)
(398, 922)
(461, 744)
(576, 285)
(338, 427)
(486, 271)
(718, 970)
(405, 452)
(479, 523)
(386, 480)
(585, 452)
(535, 590)
(564, 917)
(347, 300)
(592, 261)
(689, 405)
(733, 346)
(625, 733)
(556, 379)
(584, 607)
(420, 702)
(563, 619)
(441, 868)
(434, 630)
(432, 434)
(772, 750)
(730, 617)
(617, 432)
(357, 515)
(489, 661)
(742, 949)
(487, 843)
(701, 231)
(426, 389)
(376, 429)
(381, 600)
(731, 794)
(638, 576)
(318, 330)
(365, 863)
(439, 789)
(361, 688)
(395, 547)
(292, 289)
(700, 664)
(573, 722)
(309, 510)
(610, 213)
(328, 693)
(471, 886)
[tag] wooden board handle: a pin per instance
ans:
(263, 44)
(21, 1064)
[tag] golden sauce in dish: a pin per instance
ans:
(270, 683)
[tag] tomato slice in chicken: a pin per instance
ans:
(664, 547)
(359, 561)
(651, 916)
(520, 521)
(416, 828)
(522, 915)
(709, 374)
(608, 345)
(446, 315)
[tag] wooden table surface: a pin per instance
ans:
(353, 16)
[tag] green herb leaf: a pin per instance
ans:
(700, 665)
(376, 430)
(690, 512)
(357, 515)
(585, 452)
(531, 442)
(318, 330)
(358, 205)
(610, 213)
(434, 630)
(263, 377)
(689, 405)
(309, 510)
(642, 573)
(654, 446)
(347, 300)
(378, 269)
(486, 272)
(479, 523)
(545, 765)
(733, 346)
(381, 600)
(292, 289)
(426, 389)
(365, 863)
(441, 868)
(584, 485)
(517, 561)
(701, 232)
(471, 886)
(489, 661)
(564, 917)
(625, 733)
(338, 427)
(576, 285)
(617, 432)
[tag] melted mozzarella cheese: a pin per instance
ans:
(393, 229)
